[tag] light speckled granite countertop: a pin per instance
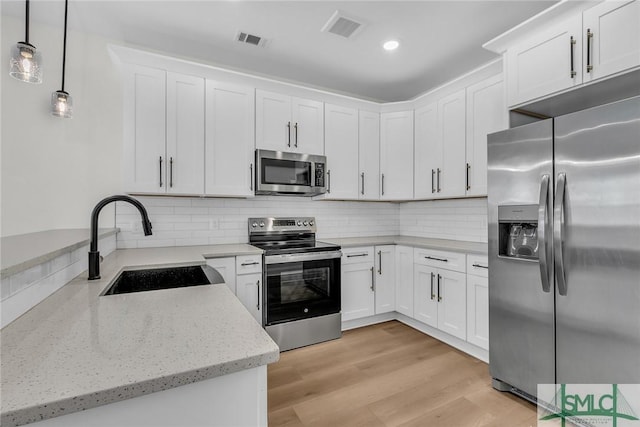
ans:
(418, 242)
(76, 350)
(24, 251)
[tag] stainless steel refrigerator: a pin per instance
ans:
(564, 250)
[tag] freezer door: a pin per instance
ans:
(521, 317)
(597, 153)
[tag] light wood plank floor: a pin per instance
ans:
(388, 375)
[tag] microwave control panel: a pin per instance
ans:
(319, 175)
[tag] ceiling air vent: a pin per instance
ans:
(341, 25)
(247, 38)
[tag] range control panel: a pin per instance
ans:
(275, 225)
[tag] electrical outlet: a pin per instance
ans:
(214, 224)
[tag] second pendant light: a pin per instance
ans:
(61, 101)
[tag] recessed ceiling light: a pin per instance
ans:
(391, 45)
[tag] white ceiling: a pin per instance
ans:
(439, 39)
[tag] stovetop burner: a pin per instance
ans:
(286, 235)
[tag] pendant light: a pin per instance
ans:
(61, 101)
(26, 61)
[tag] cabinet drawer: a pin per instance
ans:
(248, 264)
(440, 259)
(478, 265)
(357, 255)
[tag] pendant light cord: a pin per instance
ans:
(64, 42)
(26, 26)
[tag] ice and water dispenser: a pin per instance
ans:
(518, 231)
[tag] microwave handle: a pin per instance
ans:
(329, 181)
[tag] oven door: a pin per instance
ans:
(300, 286)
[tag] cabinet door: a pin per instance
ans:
(230, 144)
(341, 148)
(404, 280)
(145, 130)
(615, 38)
(486, 113)
(307, 121)
(428, 151)
(425, 303)
(249, 292)
(273, 121)
(478, 311)
(385, 278)
(185, 134)
(396, 155)
(357, 291)
(452, 304)
(369, 156)
(451, 127)
(227, 269)
(541, 65)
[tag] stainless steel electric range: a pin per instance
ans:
(301, 281)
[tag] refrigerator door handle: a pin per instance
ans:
(542, 233)
(558, 229)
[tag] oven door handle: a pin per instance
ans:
(313, 256)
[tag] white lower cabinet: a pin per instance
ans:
(249, 292)
(357, 283)
(227, 269)
(425, 304)
(404, 280)
(385, 278)
(478, 301)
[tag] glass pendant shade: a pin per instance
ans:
(26, 63)
(61, 104)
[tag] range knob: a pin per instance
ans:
(299, 223)
(305, 223)
(261, 223)
(311, 223)
(254, 225)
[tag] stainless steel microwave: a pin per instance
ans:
(279, 172)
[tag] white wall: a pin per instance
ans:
(55, 170)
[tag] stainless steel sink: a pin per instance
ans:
(163, 278)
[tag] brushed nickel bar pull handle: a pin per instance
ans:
(362, 176)
(251, 176)
(432, 294)
(543, 251)
(558, 231)
(160, 171)
(356, 255)
(433, 180)
(383, 184)
(289, 134)
(244, 264)
(373, 280)
(171, 172)
(258, 302)
(589, 37)
(295, 130)
(437, 259)
(329, 181)
(468, 186)
(439, 279)
(439, 171)
(480, 266)
(571, 45)
(379, 262)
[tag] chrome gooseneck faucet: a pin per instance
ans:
(94, 254)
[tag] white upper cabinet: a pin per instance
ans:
(486, 113)
(396, 155)
(230, 145)
(369, 156)
(428, 151)
(341, 149)
(164, 132)
(145, 130)
(546, 62)
(185, 134)
(611, 38)
(285, 123)
(450, 179)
